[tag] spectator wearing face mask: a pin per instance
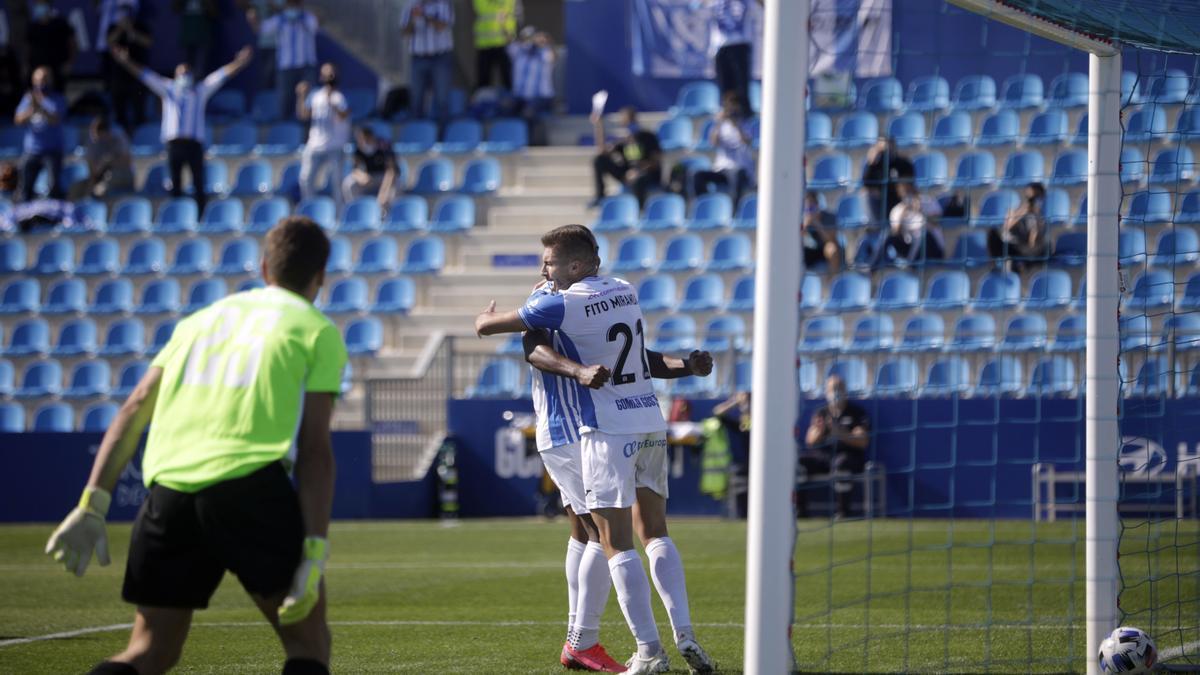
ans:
(295, 33)
(429, 27)
(375, 169)
(1022, 239)
(183, 103)
(51, 41)
(913, 235)
(836, 441)
(41, 111)
(328, 116)
(635, 160)
(533, 77)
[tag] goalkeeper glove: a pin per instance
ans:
(306, 585)
(81, 532)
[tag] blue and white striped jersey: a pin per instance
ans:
(729, 25)
(533, 71)
(183, 107)
(427, 40)
(597, 321)
(295, 32)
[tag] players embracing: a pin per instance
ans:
(618, 428)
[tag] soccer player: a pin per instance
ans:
(241, 395)
(622, 434)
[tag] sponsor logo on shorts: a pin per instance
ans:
(631, 448)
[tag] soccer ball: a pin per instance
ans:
(1128, 650)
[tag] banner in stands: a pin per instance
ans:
(853, 37)
(671, 38)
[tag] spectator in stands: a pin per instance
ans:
(328, 115)
(42, 110)
(912, 234)
(9, 178)
(127, 92)
(886, 169)
(818, 235)
(1022, 239)
(51, 41)
(734, 167)
(533, 78)
(375, 169)
(496, 24)
(836, 444)
(109, 11)
(110, 166)
(730, 40)
(635, 160)
(733, 414)
(265, 52)
(195, 30)
(429, 27)
(183, 103)
(295, 32)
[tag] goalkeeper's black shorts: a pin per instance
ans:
(182, 543)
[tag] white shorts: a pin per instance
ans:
(616, 465)
(565, 466)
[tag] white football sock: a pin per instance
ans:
(594, 585)
(666, 568)
(575, 550)
(633, 592)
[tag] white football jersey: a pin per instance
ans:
(597, 321)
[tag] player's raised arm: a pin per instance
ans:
(540, 355)
(491, 322)
(666, 367)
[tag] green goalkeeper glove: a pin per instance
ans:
(306, 585)
(81, 532)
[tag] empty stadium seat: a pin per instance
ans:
(12, 418)
(461, 136)
(1070, 249)
(1168, 86)
(66, 296)
(1131, 248)
(361, 102)
(635, 253)
(1068, 90)
(1183, 330)
(89, 379)
(1136, 333)
(264, 213)
(1176, 248)
(238, 256)
(663, 212)
(741, 298)
(236, 139)
(434, 176)
(394, 296)
(56, 256)
(481, 176)
(76, 337)
(831, 172)
(361, 215)
(710, 212)
(896, 377)
(975, 92)
(131, 373)
(282, 139)
(970, 250)
(1149, 207)
(1133, 165)
(98, 417)
(811, 292)
(499, 378)
(675, 133)
(747, 214)
(54, 418)
(425, 255)
(703, 293)
(364, 337)
(1173, 166)
(146, 141)
(857, 130)
(1152, 380)
(617, 213)
(947, 290)
(1057, 207)
(20, 296)
(724, 333)
(674, 334)
(12, 256)
(1000, 377)
(379, 255)
(881, 95)
(993, 211)
(1187, 124)
(694, 386)
(1023, 168)
(822, 333)
(1002, 127)
(203, 293)
(731, 253)
(872, 333)
(193, 256)
(948, 377)
(852, 212)
(177, 216)
(453, 213)
(1053, 376)
(1069, 335)
(932, 170)
(1024, 332)
(158, 181)
(930, 93)
(160, 336)
(998, 290)
(1049, 289)
(42, 378)
(819, 129)
(160, 296)
(682, 253)
(1070, 168)
(347, 296)
(973, 333)
(416, 137)
(1153, 289)
(222, 216)
(975, 169)
(849, 291)
(897, 290)
(506, 135)
(321, 209)
(226, 104)
(253, 179)
(29, 338)
(114, 296)
(250, 285)
(1021, 92)
(952, 130)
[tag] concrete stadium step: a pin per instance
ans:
(534, 221)
(566, 198)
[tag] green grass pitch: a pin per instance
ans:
(489, 597)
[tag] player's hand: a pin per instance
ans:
(306, 585)
(592, 377)
(244, 55)
(700, 363)
(302, 88)
(483, 316)
(82, 532)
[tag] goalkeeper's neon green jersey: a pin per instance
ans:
(233, 385)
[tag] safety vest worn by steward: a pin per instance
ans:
(714, 459)
(489, 30)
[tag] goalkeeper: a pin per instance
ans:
(241, 395)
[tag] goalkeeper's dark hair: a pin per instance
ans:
(296, 252)
(573, 242)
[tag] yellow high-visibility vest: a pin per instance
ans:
(489, 30)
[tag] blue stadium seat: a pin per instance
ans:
(1068, 90)
(29, 338)
(1183, 330)
(872, 333)
(747, 214)
(812, 294)
(1168, 86)
(1146, 124)
(683, 253)
(264, 107)
(932, 170)
(1053, 376)
(1070, 168)
(76, 337)
(1153, 289)
(67, 296)
(617, 213)
(820, 130)
(1023, 168)
(499, 378)
(12, 418)
(897, 290)
(975, 169)
(822, 333)
(952, 130)
(462, 136)
(741, 298)
(1136, 333)
(226, 104)
(204, 293)
(1069, 335)
(703, 293)
(1057, 209)
(694, 386)
(407, 214)
(92, 217)
(98, 417)
(1153, 379)
(282, 139)
(849, 292)
(146, 141)
(1001, 376)
(970, 250)
(506, 136)
(131, 215)
(425, 255)
(635, 253)
(222, 216)
(339, 261)
(321, 209)
(1021, 92)
(674, 334)
(929, 93)
(160, 337)
(193, 256)
(664, 211)
(249, 285)
(1178, 247)
(42, 378)
(1049, 289)
(947, 290)
(831, 172)
(1187, 125)
(1002, 127)
(857, 130)
(975, 92)
(1070, 249)
(253, 179)
(1024, 332)
(656, 293)
(1131, 89)
(697, 99)
(264, 213)
(731, 253)
(114, 296)
(1148, 208)
(416, 137)
(896, 377)
(21, 296)
(54, 418)
(481, 176)
(1081, 132)
(160, 296)
(711, 212)
(89, 379)
(56, 256)
(974, 333)
(379, 255)
(11, 141)
(852, 212)
(1131, 248)
(71, 173)
(724, 333)
(361, 102)
(675, 133)
(12, 255)
(361, 215)
(1173, 166)
(177, 216)
(853, 372)
(131, 373)
(158, 181)
(453, 214)
(347, 296)
(1048, 128)
(394, 296)
(364, 337)
(237, 139)
(434, 176)
(995, 207)
(948, 376)
(882, 95)
(998, 290)
(703, 139)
